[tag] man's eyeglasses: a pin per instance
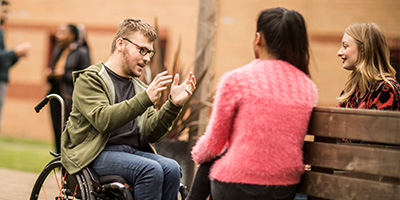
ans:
(142, 50)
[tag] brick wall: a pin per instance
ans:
(35, 21)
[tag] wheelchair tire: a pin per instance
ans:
(54, 182)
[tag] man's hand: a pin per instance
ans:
(181, 93)
(158, 85)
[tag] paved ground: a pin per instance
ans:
(16, 185)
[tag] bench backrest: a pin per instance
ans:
(353, 171)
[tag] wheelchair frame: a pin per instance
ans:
(55, 182)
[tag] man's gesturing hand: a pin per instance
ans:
(158, 85)
(181, 93)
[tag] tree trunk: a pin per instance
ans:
(203, 61)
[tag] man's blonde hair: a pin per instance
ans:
(132, 25)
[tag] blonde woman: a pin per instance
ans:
(371, 84)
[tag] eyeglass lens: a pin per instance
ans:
(142, 50)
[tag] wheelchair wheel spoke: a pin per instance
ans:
(62, 185)
(55, 183)
(76, 187)
(44, 192)
(58, 183)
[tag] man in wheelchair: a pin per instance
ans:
(113, 122)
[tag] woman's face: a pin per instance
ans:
(348, 52)
(64, 35)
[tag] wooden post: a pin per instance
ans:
(203, 60)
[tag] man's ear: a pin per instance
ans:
(119, 44)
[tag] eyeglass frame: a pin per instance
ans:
(141, 49)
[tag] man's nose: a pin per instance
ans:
(147, 58)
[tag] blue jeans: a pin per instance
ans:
(152, 176)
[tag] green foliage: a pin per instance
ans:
(23, 154)
(191, 108)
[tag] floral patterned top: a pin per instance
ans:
(382, 96)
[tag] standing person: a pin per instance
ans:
(70, 54)
(8, 57)
(260, 116)
(113, 120)
(372, 83)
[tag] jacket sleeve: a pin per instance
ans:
(91, 99)
(8, 57)
(157, 123)
(215, 139)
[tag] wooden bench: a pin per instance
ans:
(352, 171)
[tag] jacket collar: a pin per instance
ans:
(100, 70)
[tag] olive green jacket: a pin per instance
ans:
(94, 115)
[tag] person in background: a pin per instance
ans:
(70, 54)
(113, 119)
(260, 117)
(371, 83)
(8, 57)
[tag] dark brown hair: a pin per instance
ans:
(285, 35)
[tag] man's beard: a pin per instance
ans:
(127, 67)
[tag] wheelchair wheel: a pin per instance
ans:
(107, 187)
(54, 182)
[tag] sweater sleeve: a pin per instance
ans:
(215, 139)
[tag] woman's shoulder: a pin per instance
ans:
(81, 49)
(391, 86)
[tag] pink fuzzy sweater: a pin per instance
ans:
(260, 114)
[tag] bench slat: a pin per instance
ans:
(367, 125)
(339, 187)
(377, 161)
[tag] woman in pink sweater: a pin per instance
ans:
(260, 116)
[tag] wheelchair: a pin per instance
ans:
(54, 182)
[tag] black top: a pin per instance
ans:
(127, 134)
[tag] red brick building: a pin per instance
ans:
(36, 22)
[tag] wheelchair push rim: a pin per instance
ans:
(54, 182)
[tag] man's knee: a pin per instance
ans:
(173, 169)
(153, 168)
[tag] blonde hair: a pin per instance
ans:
(373, 62)
(132, 25)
